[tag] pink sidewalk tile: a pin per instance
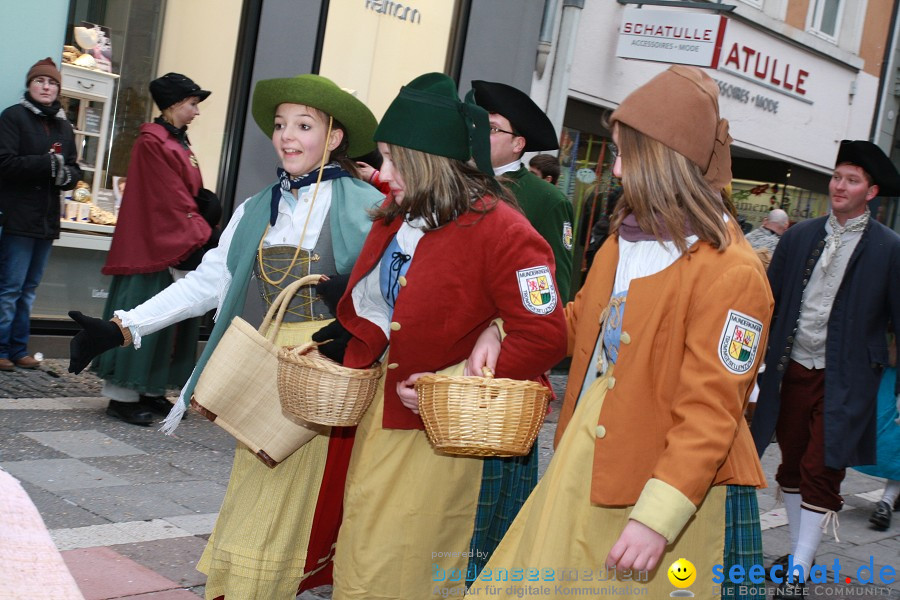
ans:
(166, 595)
(104, 574)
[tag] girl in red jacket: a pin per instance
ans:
(447, 255)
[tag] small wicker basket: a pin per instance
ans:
(481, 416)
(315, 389)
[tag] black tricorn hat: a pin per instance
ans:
(526, 118)
(873, 161)
(175, 87)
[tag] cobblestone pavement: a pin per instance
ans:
(131, 509)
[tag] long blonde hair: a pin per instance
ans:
(666, 193)
(439, 189)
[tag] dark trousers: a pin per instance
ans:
(801, 438)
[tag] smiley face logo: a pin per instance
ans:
(682, 573)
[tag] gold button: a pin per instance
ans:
(601, 432)
(612, 382)
(393, 366)
(625, 338)
(395, 326)
(402, 281)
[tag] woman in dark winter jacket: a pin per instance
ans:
(37, 161)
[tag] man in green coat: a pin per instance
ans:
(519, 126)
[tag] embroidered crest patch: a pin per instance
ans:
(538, 290)
(567, 235)
(739, 342)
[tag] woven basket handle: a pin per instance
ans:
(486, 371)
(281, 304)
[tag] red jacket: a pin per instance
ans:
(462, 276)
(159, 224)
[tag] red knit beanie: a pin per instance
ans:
(43, 68)
(680, 109)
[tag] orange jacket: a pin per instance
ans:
(675, 410)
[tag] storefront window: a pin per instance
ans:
(586, 179)
(754, 200)
(135, 30)
(113, 49)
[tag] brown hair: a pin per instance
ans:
(439, 189)
(547, 164)
(666, 192)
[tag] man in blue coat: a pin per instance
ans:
(836, 284)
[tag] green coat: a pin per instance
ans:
(551, 213)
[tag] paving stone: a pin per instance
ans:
(50, 420)
(83, 443)
(103, 573)
(51, 380)
(175, 559)
(212, 465)
(33, 404)
(203, 432)
(61, 474)
(113, 534)
(319, 593)
(140, 469)
(128, 503)
(149, 439)
(181, 594)
(195, 524)
(90, 403)
(201, 497)
(17, 447)
(774, 518)
(58, 511)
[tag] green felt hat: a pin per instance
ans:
(427, 115)
(318, 92)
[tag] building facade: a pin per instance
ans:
(795, 78)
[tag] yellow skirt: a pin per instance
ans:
(560, 540)
(259, 544)
(408, 512)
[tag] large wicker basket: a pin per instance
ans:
(481, 416)
(315, 389)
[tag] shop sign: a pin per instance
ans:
(758, 58)
(682, 37)
(395, 9)
(747, 96)
(767, 68)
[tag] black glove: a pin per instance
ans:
(339, 337)
(209, 205)
(97, 337)
(331, 291)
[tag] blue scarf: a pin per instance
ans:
(287, 183)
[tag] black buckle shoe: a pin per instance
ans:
(129, 412)
(157, 405)
(790, 591)
(783, 562)
(881, 516)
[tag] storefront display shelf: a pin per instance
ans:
(92, 227)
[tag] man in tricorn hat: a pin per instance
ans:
(519, 126)
(836, 283)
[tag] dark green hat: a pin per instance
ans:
(526, 117)
(428, 116)
(318, 92)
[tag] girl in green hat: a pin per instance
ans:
(314, 219)
(446, 256)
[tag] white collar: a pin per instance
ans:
(513, 166)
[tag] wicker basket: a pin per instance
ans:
(315, 389)
(481, 416)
